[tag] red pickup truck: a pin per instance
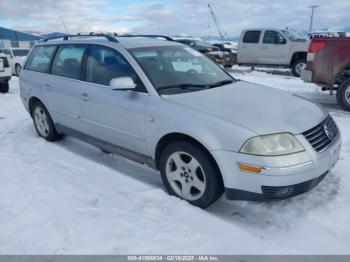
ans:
(328, 65)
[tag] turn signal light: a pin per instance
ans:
(249, 168)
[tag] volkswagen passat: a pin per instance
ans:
(166, 105)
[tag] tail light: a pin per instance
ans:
(315, 46)
(5, 61)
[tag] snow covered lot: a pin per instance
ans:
(70, 198)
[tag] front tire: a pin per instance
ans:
(297, 66)
(189, 173)
(343, 95)
(43, 123)
(4, 87)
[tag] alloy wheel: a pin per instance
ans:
(41, 122)
(186, 176)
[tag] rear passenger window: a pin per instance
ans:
(67, 62)
(103, 64)
(40, 58)
(251, 37)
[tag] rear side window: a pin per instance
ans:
(39, 59)
(67, 62)
(251, 37)
(103, 64)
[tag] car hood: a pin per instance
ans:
(262, 109)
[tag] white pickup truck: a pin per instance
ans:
(273, 47)
(5, 73)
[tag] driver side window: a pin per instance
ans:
(273, 37)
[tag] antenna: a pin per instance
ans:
(64, 25)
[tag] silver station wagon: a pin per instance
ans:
(166, 105)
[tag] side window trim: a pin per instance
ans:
(52, 58)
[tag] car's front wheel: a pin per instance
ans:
(4, 87)
(188, 172)
(43, 123)
(298, 66)
(343, 95)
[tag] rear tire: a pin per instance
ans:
(43, 123)
(297, 66)
(4, 87)
(184, 165)
(343, 95)
(18, 69)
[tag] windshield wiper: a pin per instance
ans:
(181, 86)
(222, 83)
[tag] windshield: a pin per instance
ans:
(20, 52)
(175, 69)
(293, 36)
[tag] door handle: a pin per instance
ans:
(85, 97)
(264, 47)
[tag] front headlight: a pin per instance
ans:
(272, 145)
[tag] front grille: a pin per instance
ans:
(5, 62)
(293, 190)
(322, 135)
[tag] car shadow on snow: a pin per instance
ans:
(278, 214)
(117, 163)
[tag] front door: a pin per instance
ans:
(274, 49)
(113, 116)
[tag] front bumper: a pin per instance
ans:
(281, 176)
(306, 75)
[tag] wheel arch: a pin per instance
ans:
(296, 56)
(176, 136)
(32, 101)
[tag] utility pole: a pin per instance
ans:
(313, 7)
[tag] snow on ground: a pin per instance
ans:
(70, 198)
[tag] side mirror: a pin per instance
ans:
(122, 83)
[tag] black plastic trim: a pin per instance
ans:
(137, 157)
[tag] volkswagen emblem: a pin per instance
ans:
(328, 131)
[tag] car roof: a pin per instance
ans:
(126, 42)
(264, 28)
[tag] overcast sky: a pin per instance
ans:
(169, 17)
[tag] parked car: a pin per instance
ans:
(169, 106)
(227, 54)
(328, 65)
(213, 52)
(273, 47)
(5, 73)
(17, 58)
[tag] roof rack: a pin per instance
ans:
(168, 38)
(109, 37)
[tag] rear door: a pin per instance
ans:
(63, 88)
(274, 49)
(249, 47)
